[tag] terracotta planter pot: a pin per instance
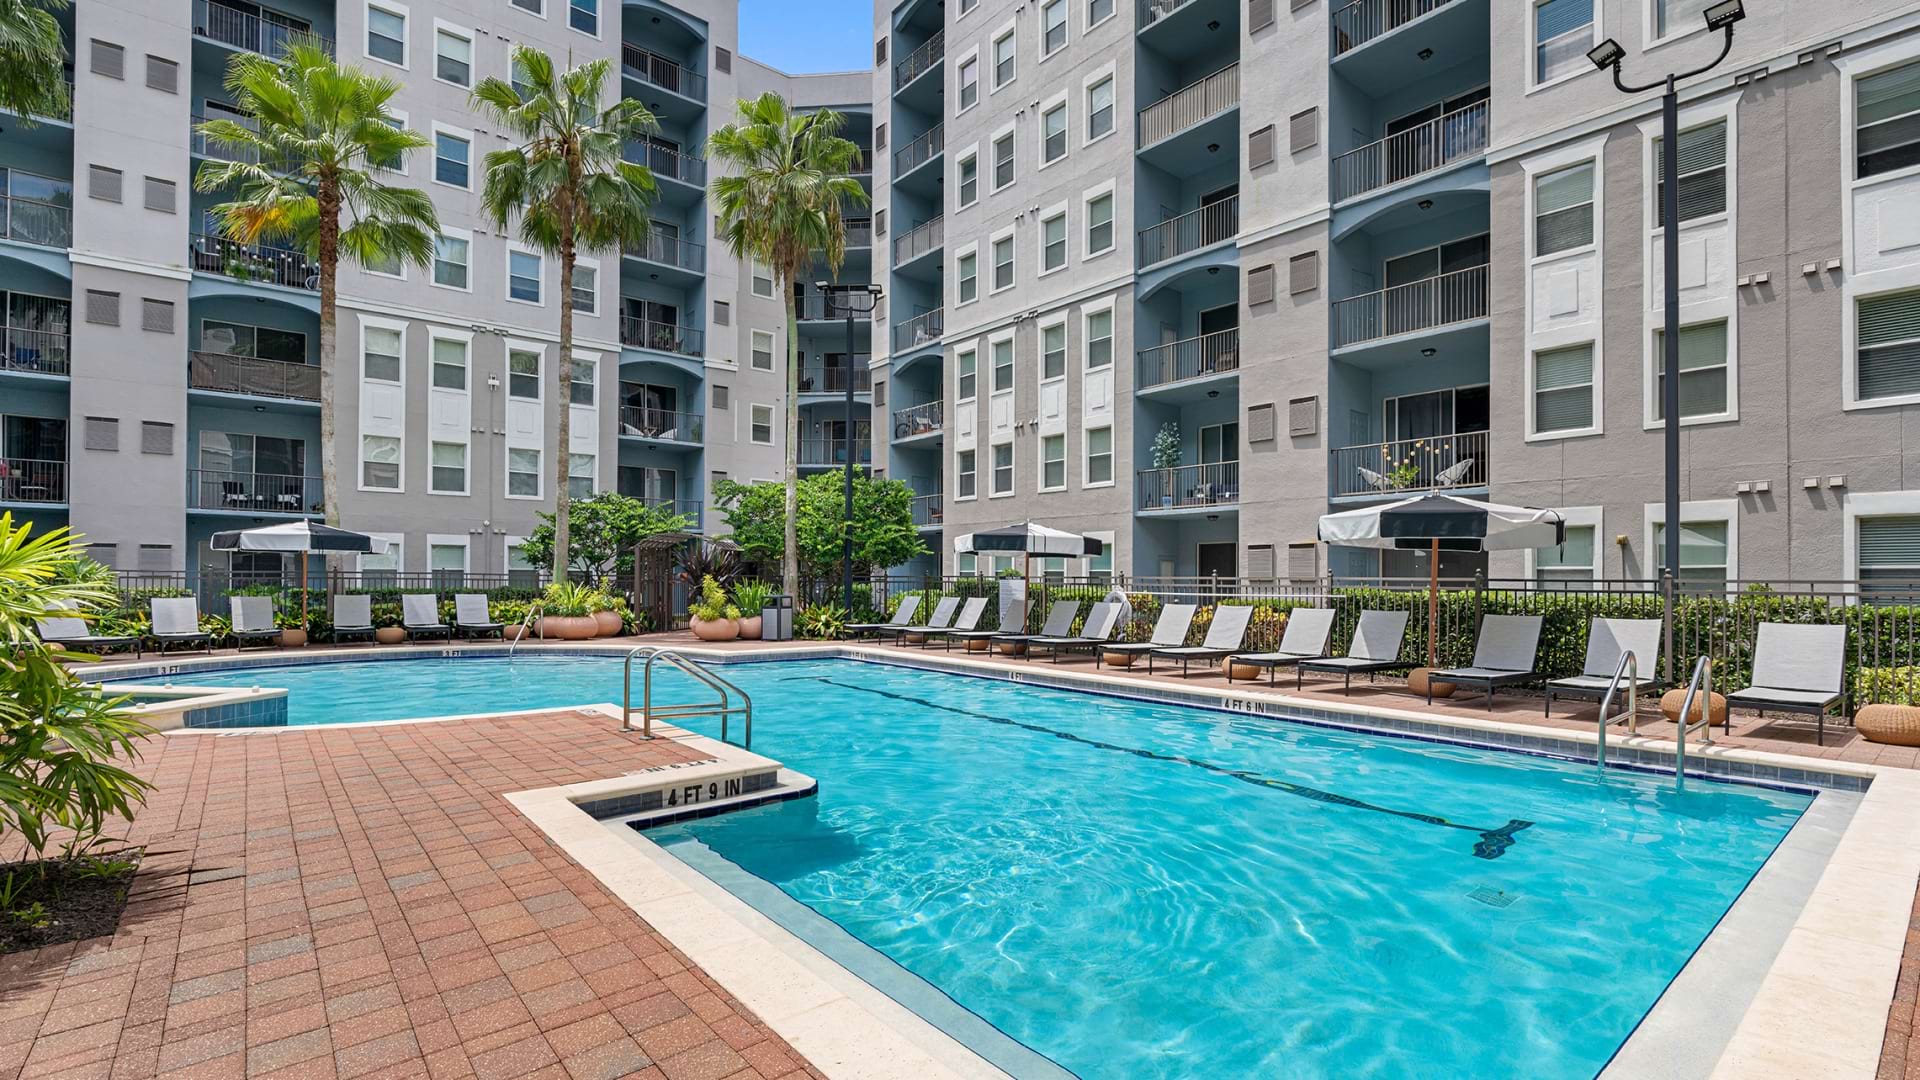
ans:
(1418, 682)
(389, 635)
(608, 623)
(512, 633)
(569, 627)
(750, 627)
(293, 639)
(716, 629)
(1123, 659)
(1011, 648)
(1246, 672)
(914, 639)
(1670, 707)
(978, 645)
(1894, 725)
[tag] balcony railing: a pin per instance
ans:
(662, 337)
(923, 329)
(668, 163)
(1442, 141)
(246, 30)
(1428, 304)
(918, 420)
(919, 240)
(656, 70)
(859, 232)
(28, 480)
(1191, 231)
(921, 60)
(257, 493)
(1217, 484)
(639, 421)
(862, 164)
(1152, 11)
(832, 378)
(219, 151)
(1208, 354)
(253, 375)
(36, 352)
(690, 507)
(920, 150)
(36, 221)
(1363, 20)
(1190, 105)
(832, 305)
(1434, 463)
(834, 451)
(252, 262)
(929, 510)
(672, 250)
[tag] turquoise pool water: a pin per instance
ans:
(1136, 890)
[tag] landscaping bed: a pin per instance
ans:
(53, 901)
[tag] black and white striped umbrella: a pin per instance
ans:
(1448, 521)
(299, 536)
(1028, 538)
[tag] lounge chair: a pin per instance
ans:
(942, 619)
(253, 621)
(352, 617)
(1224, 638)
(1504, 653)
(471, 617)
(1797, 668)
(1375, 647)
(902, 616)
(1169, 631)
(420, 614)
(968, 620)
(176, 621)
(1059, 624)
(70, 632)
(1009, 615)
(1102, 618)
(1607, 641)
(1305, 638)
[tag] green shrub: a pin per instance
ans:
(821, 622)
(1887, 686)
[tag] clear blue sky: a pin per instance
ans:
(800, 36)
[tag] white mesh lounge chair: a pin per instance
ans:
(71, 632)
(1059, 623)
(1305, 638)
(420, 614)
(471, 617)
(176, 621)
(1009, 617)
(941, 619)
(253, 621)
(902, 616)
(968, 621)
(1503, 653)
(1607, 641)
(1225, 636)
(1101, 620)
(1169, 631)
(1797, 668)
(1375, 647)
(352, 617)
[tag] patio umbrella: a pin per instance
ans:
(1443, 523)
(1028, 539)
(305, 537)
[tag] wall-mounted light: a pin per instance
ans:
(1425, 54)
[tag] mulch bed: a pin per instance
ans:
(62, 900)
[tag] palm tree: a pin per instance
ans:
(571, 189)
(786, 178)
(33, 59)
(305, 160)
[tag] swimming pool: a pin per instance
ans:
(1133, 889)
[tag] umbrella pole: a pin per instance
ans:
(303, 590)
(1433, 603)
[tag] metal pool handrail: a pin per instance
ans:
(525, 622)
(1702, 680)
(1629, 667)
(724, 708)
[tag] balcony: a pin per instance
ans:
(229, 374)
(1190, 106)
(668, 163)
(1408, 466)
(1211, 224)
(246, 30)
(656, 70)
(1363, 20)
(920, 61)
(859, 232)
(1447, 140)
(38, 209)
(862, 163)
(832, 305)
(692, 508)
(919, 420)
(922, 329)
(662, 337)
(669, 250)
(1193, 358)
(253, 493)
(920, 150)
(27, 480)
(1189, 487)
(830, 453)
(209, 148)
(929, 511)
(922, 239)
(35, 352)
(832, 378)
(1429, 304)
(1152, 11)
(252, 262)
(661, 425)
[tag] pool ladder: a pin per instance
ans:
(526, 623)
(1701, 683)
(725, 708)
(1628, 669)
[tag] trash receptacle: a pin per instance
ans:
(776, 619)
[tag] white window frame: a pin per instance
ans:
(1870, 504)
(970, 154)
(539, 355)
(1582, 517)
(591, 361)
(541, 14)
(370, 323)
(993, 470)
(1004, 132)
(400, 472)
(1850, 361)
(396, 550)
(1113, 8)
(1534, 434)
(1057, 319)
(452, 233)
(593, 265)
(599, 20)
(1058, 101)
(464, 338)
(1709, 510)
(967, 7)
(1087, 312)
(1649, 28)
(466, 468)
(772, 434)
(465, 33)
(970, 251)
(506, 268)
(473, 164)
(539, 473)
(1066, 24)
(959, 472)
(971, 56)
(401, 116)
(1588, 150)
(993, 261)
(1106, 71)
(753, 346)
(970, 349)
(994, 341)
(755, 272)
(1007, 32)
(1086, 458)
(399, 326)
(1534, 82)
(1855, 286)
(1040, 462)
(592, 476)
(1087, 198)
(450, 540)
(1650, 377)
(1056, 212)
(401, 11)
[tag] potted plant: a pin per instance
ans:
(608, 622)
(293, 632)
(566, 612)
(711, 615)
(386, 624)
(751, 598)
(512, 616)
(1166, 457)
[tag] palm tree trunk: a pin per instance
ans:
(563, 427)
(790, 551)
(328, 198)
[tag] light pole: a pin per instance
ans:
(1607, 55)
(847, 293)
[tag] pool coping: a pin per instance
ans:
(1843, 950)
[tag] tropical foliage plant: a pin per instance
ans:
(883, 531)
(33, 58)
(604, 530)
(712, 604)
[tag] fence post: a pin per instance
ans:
(1479, 600)
(1666, 618)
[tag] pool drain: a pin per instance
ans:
(1493, 897)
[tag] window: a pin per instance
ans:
(1100, 224)
(965, 364)
(1679, 16)
(1053, 351)
(1053, 27)
(386, 35)
(452, 57)
(523, 276)
(449, 473)
(1099, 456)
(1563, 389)
(1053, 242)
(450, 261)
(1703, 551)
(1703, 370)
(523, 472)
(380, 462)
(452, 159)
(760, 425)
(386, 264)
(1703, 173)
(447, 558)
(968, 272)
(1562, 34)
(397, 161)
(762, 359)
(964, 474)
(580, 476)
(581, 374)
(233, 339)
(1053, 132)
(449, 362)
(1003, 161)
(586, 288)
(1003, 60)
(1003, 365)
(1563, 209)
(1100, 108)
(969, 82)
(969, 180)
(1003, 263)
(1099, 11)
(1099, 339)
(968, 5)
(1572, 560)
(523, 375)
(1888, 361)
(1889, 549)
(1053, 462)
(1003, 469)
(584, 16)
(762, 282)
(380, 354)
(1886, 114)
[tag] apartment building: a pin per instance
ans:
(160, 382)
